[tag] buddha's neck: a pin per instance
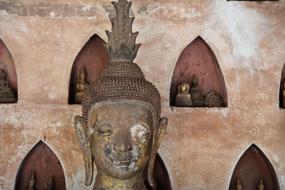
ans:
(104, 182)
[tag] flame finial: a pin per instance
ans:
(122, 45)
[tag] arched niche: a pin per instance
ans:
(91, 60)
(282, 89)
(8, 77)
(198, 59)
(160, 175)
(253, 170)
(40, 169)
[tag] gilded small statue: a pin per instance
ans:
(80, 86)
(6, 93)
(121, 128)
(31, 183)
(261, 185)
(238, 184)
(183, 97)
(196, 93)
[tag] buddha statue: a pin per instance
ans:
(261, 185)
(213, 99)
(31, 183)
(196, 93)
(6, 93)
(121, 128)
(49, 185)
(80, 86)
(238, 184)
(183, 97)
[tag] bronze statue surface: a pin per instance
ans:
(120, 128)
(196, 93)
(80, 86)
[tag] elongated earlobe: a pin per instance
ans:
(83, 137)
(160, 132)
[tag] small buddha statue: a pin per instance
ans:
(213, 99)
(183, 97)
(238, 184)
(7, 95)
(80, 86)
(121, 127)
(3, 79)
(261, 184)
(31, 183)
(50, 185)
(196, 93)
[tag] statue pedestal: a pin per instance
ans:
(7, 95)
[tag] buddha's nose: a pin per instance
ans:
(122, 143)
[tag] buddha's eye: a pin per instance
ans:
(105, 130)
(139, 132)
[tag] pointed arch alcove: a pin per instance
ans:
(41, 169)
(252, 167)
(90, 61)
(8, 77)
(282, 89)
(198, 59)
(161, 176)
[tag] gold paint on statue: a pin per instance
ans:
(120, 129)
(183, 97)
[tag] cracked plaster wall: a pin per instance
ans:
(203, 145)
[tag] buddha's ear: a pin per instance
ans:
(160, 132)
(83, 137)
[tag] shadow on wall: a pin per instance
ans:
(40, 169)
(282, 89)
(198, 67)
(254, 171)
(88, 65)
(8, 77)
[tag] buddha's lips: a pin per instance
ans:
(122, 159)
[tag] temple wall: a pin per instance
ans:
(202, 145)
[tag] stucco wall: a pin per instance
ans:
(202, 145)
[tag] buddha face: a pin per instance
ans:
(120, 137)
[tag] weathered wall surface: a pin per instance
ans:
(203, 145)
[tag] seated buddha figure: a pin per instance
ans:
(196, 93)
(7, 95)
(80, 86)
(3, 79)
(120, 129)
(183, 97)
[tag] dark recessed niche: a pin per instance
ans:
(160, 175)
(197, 80)
(282, 89)
(254, 171)
(8, 77)
(88, 65)
(40, 169)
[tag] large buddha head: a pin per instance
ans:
(121, 129)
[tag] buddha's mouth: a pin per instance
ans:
(125, 160)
